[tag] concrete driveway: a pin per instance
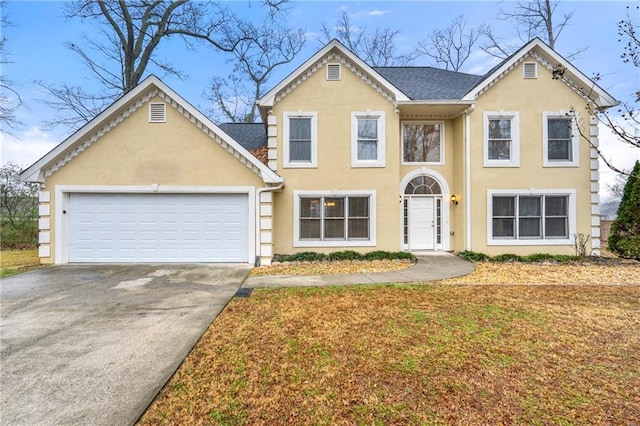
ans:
(93, 344)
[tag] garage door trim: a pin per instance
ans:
(62, 202)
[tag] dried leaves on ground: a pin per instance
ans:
(332, 267)
(539, 273)
(415, 354)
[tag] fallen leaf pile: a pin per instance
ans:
(532, 274)
(333, 267)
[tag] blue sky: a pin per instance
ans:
(39, 31)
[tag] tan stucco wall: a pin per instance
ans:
(530, 97)
(139, 153)
(334, 101)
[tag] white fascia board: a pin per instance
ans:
(269, 98)
(464, 102)
(604, 99)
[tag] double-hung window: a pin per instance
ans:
(300, 139)
(560, 140)
(501, 139)
(531, 218)
(367, 139)
(422, 142)
(334, 219)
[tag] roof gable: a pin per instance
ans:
(123, 108)
(550, 59)
(334, 50)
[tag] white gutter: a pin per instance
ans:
(258, 193)
(467, 177)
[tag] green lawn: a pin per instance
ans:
(414, 354)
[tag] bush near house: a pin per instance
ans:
(624, 239)
(21, 235)
(473, 256)
(311, 256)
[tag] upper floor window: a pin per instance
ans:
(367, 139)
(501, 139)
(560, 140)
(422, 142)
(300, 135)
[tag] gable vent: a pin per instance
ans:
(157, 112)
(530, 70)
(333, 72)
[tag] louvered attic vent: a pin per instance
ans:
(530, 70)
(157, 112)
(333, 72)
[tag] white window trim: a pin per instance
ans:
(371, 242)
(381, 146)
(571, 193)
(314, 140)
(575, 136)
(442, 144)
(514, 116)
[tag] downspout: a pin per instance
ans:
(467, 178)
(259, 192)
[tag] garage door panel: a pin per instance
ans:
(158, 228)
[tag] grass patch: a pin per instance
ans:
(16, 261)
(414, 354)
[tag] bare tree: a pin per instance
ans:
(10, 100)
(624, 122)
(377, 48)
(130, 33)
(451, 46)
(537, 18)
(270, 46)
(617, 189)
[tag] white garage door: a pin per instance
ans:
(158, 227)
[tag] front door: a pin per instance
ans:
(421, 223)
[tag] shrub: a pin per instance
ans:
(473, 256)
(507, 257)
(624, 239)
(302, 256)
(344, 255)
(539, 257)
(21, 235)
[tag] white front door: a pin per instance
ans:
(421, 223)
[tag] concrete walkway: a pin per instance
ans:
(429, 267)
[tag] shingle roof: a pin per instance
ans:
(249, 135)
(427, 83)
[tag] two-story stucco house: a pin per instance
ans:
(359, 158)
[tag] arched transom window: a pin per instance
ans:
(422, 185)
